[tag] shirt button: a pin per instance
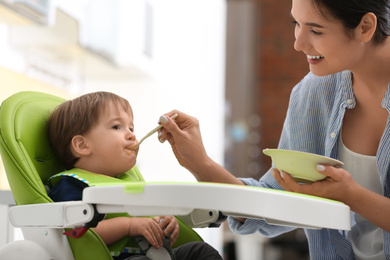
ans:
(333, 135)
(349, 101)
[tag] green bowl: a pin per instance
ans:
(300, 165)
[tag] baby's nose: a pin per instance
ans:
(131, 135)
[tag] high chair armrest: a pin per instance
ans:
(202, 218)
(53, 215)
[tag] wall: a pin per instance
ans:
(262, 67)
(279, 67)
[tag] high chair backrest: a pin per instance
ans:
(26, 153)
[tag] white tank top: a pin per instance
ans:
(366, 238)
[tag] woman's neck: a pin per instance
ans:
(372, 76)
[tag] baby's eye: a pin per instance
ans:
(116, 127)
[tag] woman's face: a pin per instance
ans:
(326, 44)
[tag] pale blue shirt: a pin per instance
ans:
(313, 124)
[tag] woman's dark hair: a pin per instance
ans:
(351, 12)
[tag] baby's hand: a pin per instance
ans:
(170, 226)
(147, 228)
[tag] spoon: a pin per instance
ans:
(151, 132)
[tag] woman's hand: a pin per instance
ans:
(170, 226)
(183, 134)
(338, 184)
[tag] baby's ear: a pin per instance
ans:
(80, 146)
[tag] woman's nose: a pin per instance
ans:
(300, 40)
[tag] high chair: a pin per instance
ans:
(29, 162)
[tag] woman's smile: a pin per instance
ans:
(314, 59)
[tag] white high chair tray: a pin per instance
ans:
(276, 207)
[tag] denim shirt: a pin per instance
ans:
(313, 123)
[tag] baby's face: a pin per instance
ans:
(110, 141)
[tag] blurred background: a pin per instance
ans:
(230, 63)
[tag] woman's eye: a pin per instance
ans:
(295, 23)
(315, 32)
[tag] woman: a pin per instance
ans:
(340, 109)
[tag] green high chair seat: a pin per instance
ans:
(29, 162)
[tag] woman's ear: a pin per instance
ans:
(367, 27)
(80, 146)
